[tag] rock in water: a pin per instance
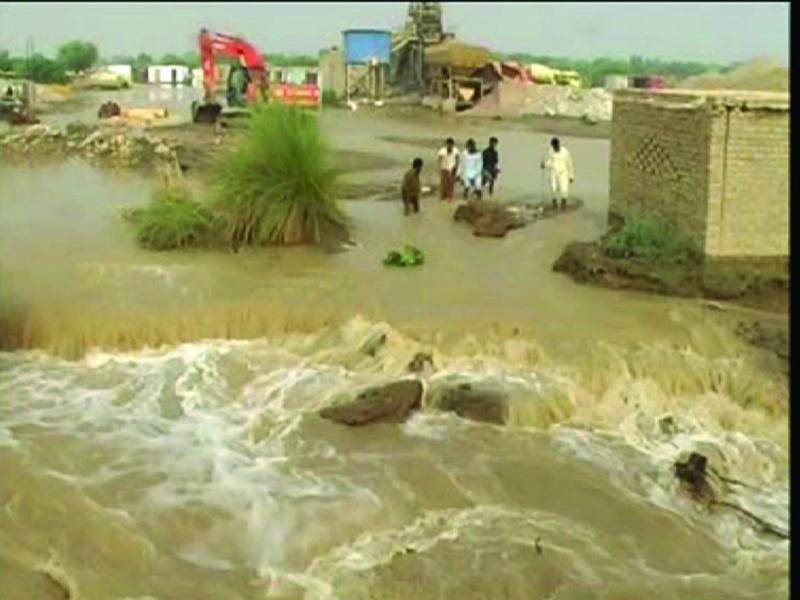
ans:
(478, 402)
(391, 403)
(419, 362)
(489, 218)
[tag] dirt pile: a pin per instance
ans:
(118, 146)
(759, 75)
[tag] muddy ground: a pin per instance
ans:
(586, 262)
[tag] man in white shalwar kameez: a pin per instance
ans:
(558, 162)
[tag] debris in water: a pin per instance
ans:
(693, 473)
(538, 545)
(410, 256)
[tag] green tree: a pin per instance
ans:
(171, 59)
(6, 64)
(77, 55)
(41, 69)
(140, 64)
(191, 59)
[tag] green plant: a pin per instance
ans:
(649, 238)
(77, 55)
(40, 69)
(171, 220)
(329, 98)
(410, 256)
(277, 185)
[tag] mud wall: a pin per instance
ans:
(715, 167)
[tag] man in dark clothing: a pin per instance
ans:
(491, 164)
(411, 187)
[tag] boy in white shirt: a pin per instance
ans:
(447, 158)
(472, 170)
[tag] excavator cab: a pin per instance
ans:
(238, 84)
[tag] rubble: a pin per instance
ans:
(511, 100)
(121, 146)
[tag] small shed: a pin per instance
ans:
(168, 74)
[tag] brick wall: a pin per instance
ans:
(749, 205)
(660, 163)
(716, 168)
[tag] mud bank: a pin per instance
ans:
(586, 262)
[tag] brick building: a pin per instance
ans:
(713, 163)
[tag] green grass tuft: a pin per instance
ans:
(277, 186)
(651, 239)
(172, 220)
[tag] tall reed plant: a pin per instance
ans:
(277, 186)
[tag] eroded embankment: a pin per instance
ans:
(588, 262)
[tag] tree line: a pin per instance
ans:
(593, 72)
(78, 56)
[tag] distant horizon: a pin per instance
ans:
(720, 33)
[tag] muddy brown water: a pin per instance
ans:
(158, 428)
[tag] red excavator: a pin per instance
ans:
(247, 81)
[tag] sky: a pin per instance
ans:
(702, 31)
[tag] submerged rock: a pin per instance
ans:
(490, 218)
(391, 403)
(419, 362)
(480, 401)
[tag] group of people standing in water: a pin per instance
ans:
(479, 170)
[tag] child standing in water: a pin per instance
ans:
(411, 188)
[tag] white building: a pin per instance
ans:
(124, 71)
(168, 74)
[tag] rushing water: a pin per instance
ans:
(159, 436)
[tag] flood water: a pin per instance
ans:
(158, 426)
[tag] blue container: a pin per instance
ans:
(363, 45)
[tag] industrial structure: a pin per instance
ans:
(367, 53)
(714, 164)
(421, 58)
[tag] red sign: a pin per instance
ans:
(299, 95)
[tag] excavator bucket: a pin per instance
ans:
(205, 113)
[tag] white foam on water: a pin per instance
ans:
(240, 442)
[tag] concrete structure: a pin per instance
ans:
(332, 70)
(715, 164)
(168, 74)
